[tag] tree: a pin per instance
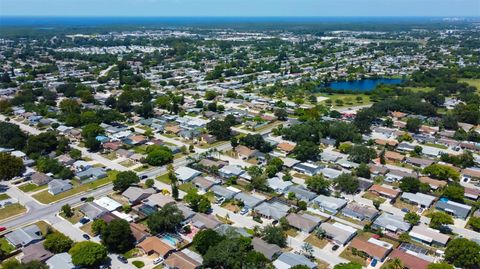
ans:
(274, 235)
(413, 125)
(363, 171)
(346, 183)
(117, 236)
(363, 119)
(197, 202)
(350, 265)
(318, 184)
(440, 265)
(410, 184)
(88, 254)
(454, 191)
(463, 253)
(149, 182)
(67, 210)
(441, 171)
(15, 264)
(92, 143)
(98, 225)
(234, 141)
(281, 114)
(42, 143)
(125, 179)
(165, 220)
(439, 219)
(474, 222)
(306, 150)
(205, 239)
(220, 129)
(404, 237)
(361, 154)
(10, 167)
(11, 136)
(57, 242)
(394, 264)
(412, 218)
(220, 255)
(301, 266)
(158, 155)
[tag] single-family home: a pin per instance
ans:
(329, 204)
(429, 236)
(61, 261)
(40, 179)
(384, 191)
(309, 169)
(186, 174)
(91, 174)
(57, 186)
(223, 192)
(270, 251)
(420, 199)
(25, 236)
(35, 252)
(230, 171)
(180, 260)
(154, 245)
(288, 260)
(272, 210)
(338, 233)
(458, 210)
(136, 194)
(278, 185)
(301, 193)
(392, 223)
(359, 212)
(303, 222)
(372, 247)
(248, 200)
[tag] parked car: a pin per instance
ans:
(83, 199)
(84, 221)
(144, 177)
(158, 260)
(335, 247)
(2, 228)
(244, 211)
(86, 236)
(220, 200)
(405, 210)
(373, 263)
(122, 259)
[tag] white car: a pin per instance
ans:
(244, 211)
(158, 260)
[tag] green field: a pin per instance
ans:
(5, 246)
(11, 210)
(472, 82)
(30, 187)
(347, 99)
(4, 196)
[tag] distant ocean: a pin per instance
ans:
(99, 21)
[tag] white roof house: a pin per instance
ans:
(107, 203)
(186, 174)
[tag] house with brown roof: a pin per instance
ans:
(115, 145)
(40, 179)
(434, 183)
(394, 156)
(408, 260)
(180, 260)
(384, 191)
(172, 129)
(139, 231)
(244, 152)
(372, 247)
(136, 139)
(208, 138)
(35, 252)
(419, 162)
(154, 245)
(285, 148)
(270, 251)
(469, 173)
(384, 142)
(398, 114)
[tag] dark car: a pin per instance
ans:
(86, 236)
(122, 259)
(84, 220)
(144, 177)
(335, 247)
(2, 228)
(83, 199)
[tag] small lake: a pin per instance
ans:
(363, 85)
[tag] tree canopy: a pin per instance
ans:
(166, 219)
(88, 254)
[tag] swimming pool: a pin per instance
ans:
(169, 239)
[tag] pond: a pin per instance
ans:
(363, 85)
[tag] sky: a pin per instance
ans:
(239, 8)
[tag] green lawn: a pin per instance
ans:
(421, 89)
(46, 198)
(347, 99)
(436, 146)
(30, 187)
(11, 210)
(186, 186)
(472, 82)
(5, 246)
(127, 163)
(164, 178)
(4, 196)
(138, 264)
(142, 168)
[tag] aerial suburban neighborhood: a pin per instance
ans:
(183, 147)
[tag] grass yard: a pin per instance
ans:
(77, 215)
(436, 145)
(348, 255)
(315, 241)
(472, 82)
(420, 89)
(111, 156)
(374, 197)
(5, 246)
(11, 210)
(4, 196)
(87, 228)
(138, 264)
(347, 100)
(127, 163)
(30, 187)
(142, 168)
(401, 204)
(186, 187)
(47, 198)
(164, 178)
(134, 252)
(322, 265)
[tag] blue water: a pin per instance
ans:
(169, 240)
(364, 85)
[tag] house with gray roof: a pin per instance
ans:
(57, 186)
(61, 261)
(331, 173)
(278, 185)
(339, 233)
(225, 229)
(203, 221)
(303, 222)
(230, 171)
(248, 200)
(420, 199)
(288, 260)
(40, 179)
(186, 174)
(301, 193)
(392, 223)
(136, 194)
(458, 210)
(25, 236)
(270, 251)
(91, 174)
(309, 169)
(272, 210)
(92, 210)
(359, 212)
(203, 184)
(221, 191)
(429, 236)
(329, 204)
(35, 252)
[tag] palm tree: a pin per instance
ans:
(320, 233)
(307, 249)
(395, 264)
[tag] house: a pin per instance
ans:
(136, 194)
(139, 231)
(209, 163)
(65, 159)
(278, 185)
(203, 221)
(81, 165)
(287, 260)
(472, 193)
(270, 251)
(186, 174)
(389, 222)
(309, 169)
(123, 153)
(61, 261)
(136, 140)
(359, 212)
(470, 173)
(458, 210)
(248, 200)
(272, 210)
(180, 260)
(420, 199)
(419, 162)
(57, 186)
(289, 162)
(40, 179)
(301, 193)
(285, 148)
(108, 203)
(231, 231)
(244, 152)
(91, 174)
(404, 146)
(230, 171)
(434, 183)
(330, 173)
(408, 260)
(208, 138)
(203, 184)
(303, 222)
(338, 233)
(394, 156)
(25, 236)
(329, 204)
(115, 145)
(384, 191)
(372, 247)
(154, 245)
(429, 236)
(221, 191)
(158, 200)
(92, 210)
(35, 252)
